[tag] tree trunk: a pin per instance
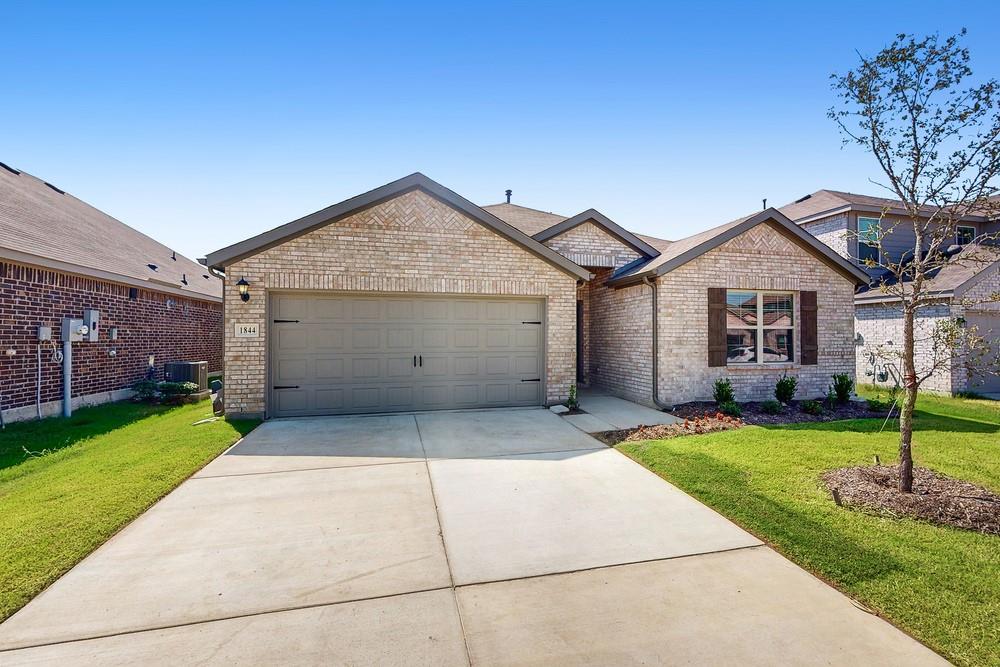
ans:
(909, 402)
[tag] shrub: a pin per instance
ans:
(573, 402)
(723, 392)
(770, 407)
(843, 385)
(785, 389)
(812, 407)
(177, 388)
(144, 390)
(877, 405)
(731, 409)
(831, 399)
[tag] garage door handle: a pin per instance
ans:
(421, 361)
(285, 321)
(533, 380)
(286, 386)
(414, 361)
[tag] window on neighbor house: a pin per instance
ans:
(868, 239)
(965, 235)
(759, 327)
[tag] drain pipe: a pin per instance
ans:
(656, 350)
(67, 378)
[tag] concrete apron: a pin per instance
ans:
(503, 537)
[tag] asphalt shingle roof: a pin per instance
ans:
(38, 220)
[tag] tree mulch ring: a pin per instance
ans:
(790, 414)
(935, 498)
(708, 422)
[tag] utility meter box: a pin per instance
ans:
(73, 330)
(92, 320)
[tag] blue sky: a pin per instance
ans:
(202, 124)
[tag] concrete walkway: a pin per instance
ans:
(493, 537)
(604, 412)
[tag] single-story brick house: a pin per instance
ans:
(962, 289)
(411, 297)
(60, 256)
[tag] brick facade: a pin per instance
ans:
(169, 327)
(621, 333)
(590, 246)
(412, 243)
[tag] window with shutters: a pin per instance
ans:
(760, 327)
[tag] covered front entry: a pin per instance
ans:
(336, 353)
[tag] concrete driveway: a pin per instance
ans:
(494, 537)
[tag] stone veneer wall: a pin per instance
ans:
(411, 243)
(761, 258)
(621, 339)
(589, 245)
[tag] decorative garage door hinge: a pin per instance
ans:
(285, 321)
(286, 386)
(530, 322)
(533, 380)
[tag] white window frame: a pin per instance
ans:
(760, 328)
(877, 249)
(958, 233)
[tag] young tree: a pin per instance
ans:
(937, 142)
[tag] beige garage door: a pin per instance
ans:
(346, 354)
(988, 326)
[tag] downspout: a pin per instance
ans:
(656, 350)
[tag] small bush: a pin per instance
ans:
(573, 402)
(785, 389)
(731, 409)
(144, 390)
(177, 388)
(831, 399)
(843, 386)
(723, 392)
(770, 407)
(877, 405)
(812, 407)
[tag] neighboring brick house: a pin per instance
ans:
(963, 290)
(60, 256)
(410, 297)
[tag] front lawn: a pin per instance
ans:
(66, 486)
(942, 585)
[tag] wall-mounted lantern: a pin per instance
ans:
(244, 288)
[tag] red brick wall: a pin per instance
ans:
(185, 330)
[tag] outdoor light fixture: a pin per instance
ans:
(244, 288)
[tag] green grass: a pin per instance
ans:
(941, 585)
(66, 486)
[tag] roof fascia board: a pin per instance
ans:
(610, 226)
(805, 239)
(886, 298)
(65, 267)
(331, 214)
(871, 208)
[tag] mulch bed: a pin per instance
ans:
(935, 498)
(790, 414)
(706, 422)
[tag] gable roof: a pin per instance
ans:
(598, 218)
(44, 226)
(528, 220)
(684, 250)
(971, 264)
(823, 203)
(415, 181)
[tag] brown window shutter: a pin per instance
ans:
(808, 331)
(716, 326)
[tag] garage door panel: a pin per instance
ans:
(354, 354)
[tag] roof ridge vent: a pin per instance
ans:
(62, 192)
(799, 201)
(10, 169)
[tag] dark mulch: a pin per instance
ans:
(702, 423)
(790, 414)
(935, 498)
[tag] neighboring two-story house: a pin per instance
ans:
(964, 288)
